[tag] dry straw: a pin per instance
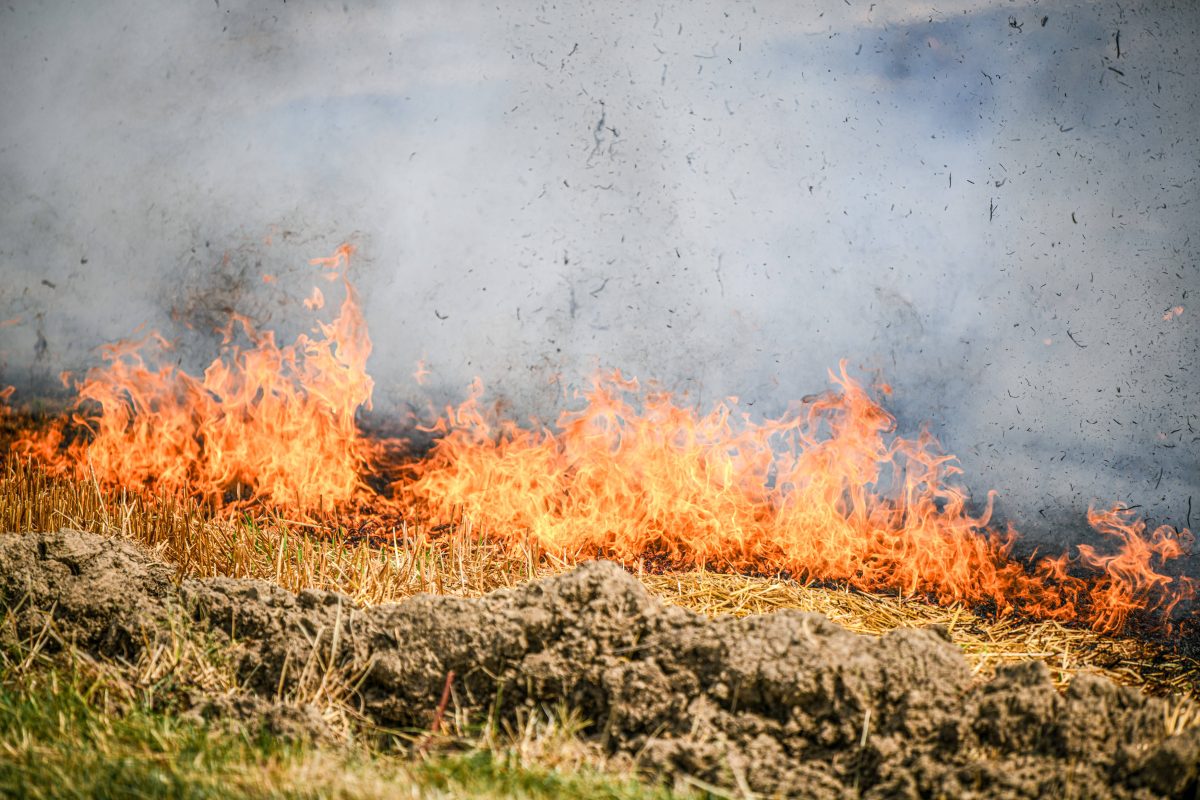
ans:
(461, 560)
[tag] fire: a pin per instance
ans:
(1125, 584)
(826, 492)
(269, 421)
(316, 300)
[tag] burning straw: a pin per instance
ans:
(827, 493)
(462, 562)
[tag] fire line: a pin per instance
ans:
(826, 492)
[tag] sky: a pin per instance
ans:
(990, 205)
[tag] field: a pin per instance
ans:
(171, 710)
(227, 583)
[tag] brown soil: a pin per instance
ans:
(786, 703)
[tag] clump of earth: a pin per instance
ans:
(782, 704)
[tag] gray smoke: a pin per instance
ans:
(984, 202)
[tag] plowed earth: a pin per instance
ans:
(781, 704)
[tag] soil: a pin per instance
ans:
(782, 704)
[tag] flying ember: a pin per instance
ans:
(826, 492)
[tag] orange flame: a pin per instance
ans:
(269, 421)
(315, 301)
(827, 492)
(1125, 584)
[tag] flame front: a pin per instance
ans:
(827, 492)
(276, 423)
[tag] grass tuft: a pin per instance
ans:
(73, 728)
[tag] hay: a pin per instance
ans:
(296, 556)
(461, 560)
(986, 643)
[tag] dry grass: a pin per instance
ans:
(269, 547)
(986, 643)
(72, 726)
(462, 561)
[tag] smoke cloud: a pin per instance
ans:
(990, 204)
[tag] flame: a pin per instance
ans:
(1125, 585)
(273, 422)
(316, 300)
(826, 492)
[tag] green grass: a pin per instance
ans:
(67, 732)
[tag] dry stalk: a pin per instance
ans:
(462, 560)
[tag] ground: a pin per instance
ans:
(116, 667)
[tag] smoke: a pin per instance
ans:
(983, 202)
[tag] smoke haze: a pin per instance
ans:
(983, 202)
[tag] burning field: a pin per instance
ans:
(421, 590)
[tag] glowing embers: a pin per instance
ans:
(828, 492)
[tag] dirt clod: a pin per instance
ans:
(102, 589)
(787, 703)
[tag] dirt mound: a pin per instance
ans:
(787, 703)
(102, 591)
